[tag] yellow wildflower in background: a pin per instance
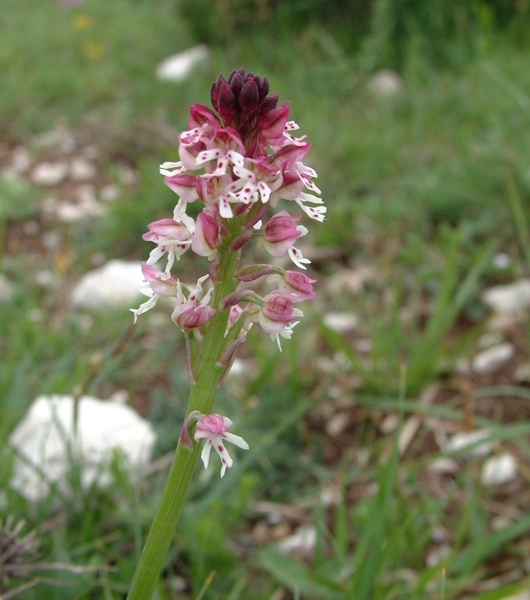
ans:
(92, 49)
(82, 21)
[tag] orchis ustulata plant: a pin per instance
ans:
(238, 161)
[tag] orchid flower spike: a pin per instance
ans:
(214, 429)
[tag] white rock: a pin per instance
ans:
(490, 338)
(60, 137)
(6, 289)
(522, 595)
(82, 170)
(492, 359)
(113, 284)
(340, 321)
(179, 66)
(110, 192)
(68, 212)
(127, 175)
(436, 554)
(512, 298)
(463, 366)
(86, 205)
(502, 260)
(522, 373)
(461, 442)
(304, 538)
(49, 174)
(47, 448)
(386, 83)
(499, 469)
(21, 159)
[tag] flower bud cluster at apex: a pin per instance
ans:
(238, 163)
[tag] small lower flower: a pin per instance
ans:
(214, 429)
(190, 313)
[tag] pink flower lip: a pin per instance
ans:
(212, 425)
(298, 285)
(160, 283)
(280, 233)
(191, 317)
(205, 236)
(278, 307)
(183, 184)
(167, 229)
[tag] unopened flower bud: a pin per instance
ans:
(249, 96)
(253, 272)
(241, 240)
(240, 296)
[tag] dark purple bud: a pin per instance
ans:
(238, 296)
(249, 97)
(228, 356)
(233, 74)
(236, 84)
(263, 88)
(240, 241)
(212, 270)
(226, 103)
(253, 272)
(214, 95)
(269, 103)
(254, 218)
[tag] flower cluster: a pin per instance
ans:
(238, 161)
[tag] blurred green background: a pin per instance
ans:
(419, 113)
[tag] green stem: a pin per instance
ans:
(202, 396)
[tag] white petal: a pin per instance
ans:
(244, 173)
(310, 198)
(207, 155)
(180, 209)
(276, 338)
(314, 212)
(155, 255)
(236, 158)
(188, 222)
(297, 257)
(145, 306)
(224, 208)
(226, 460)
(301, 168)
(236, 440)
(171, 165)
(303, 230)
(205, 454)
(310, 185)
